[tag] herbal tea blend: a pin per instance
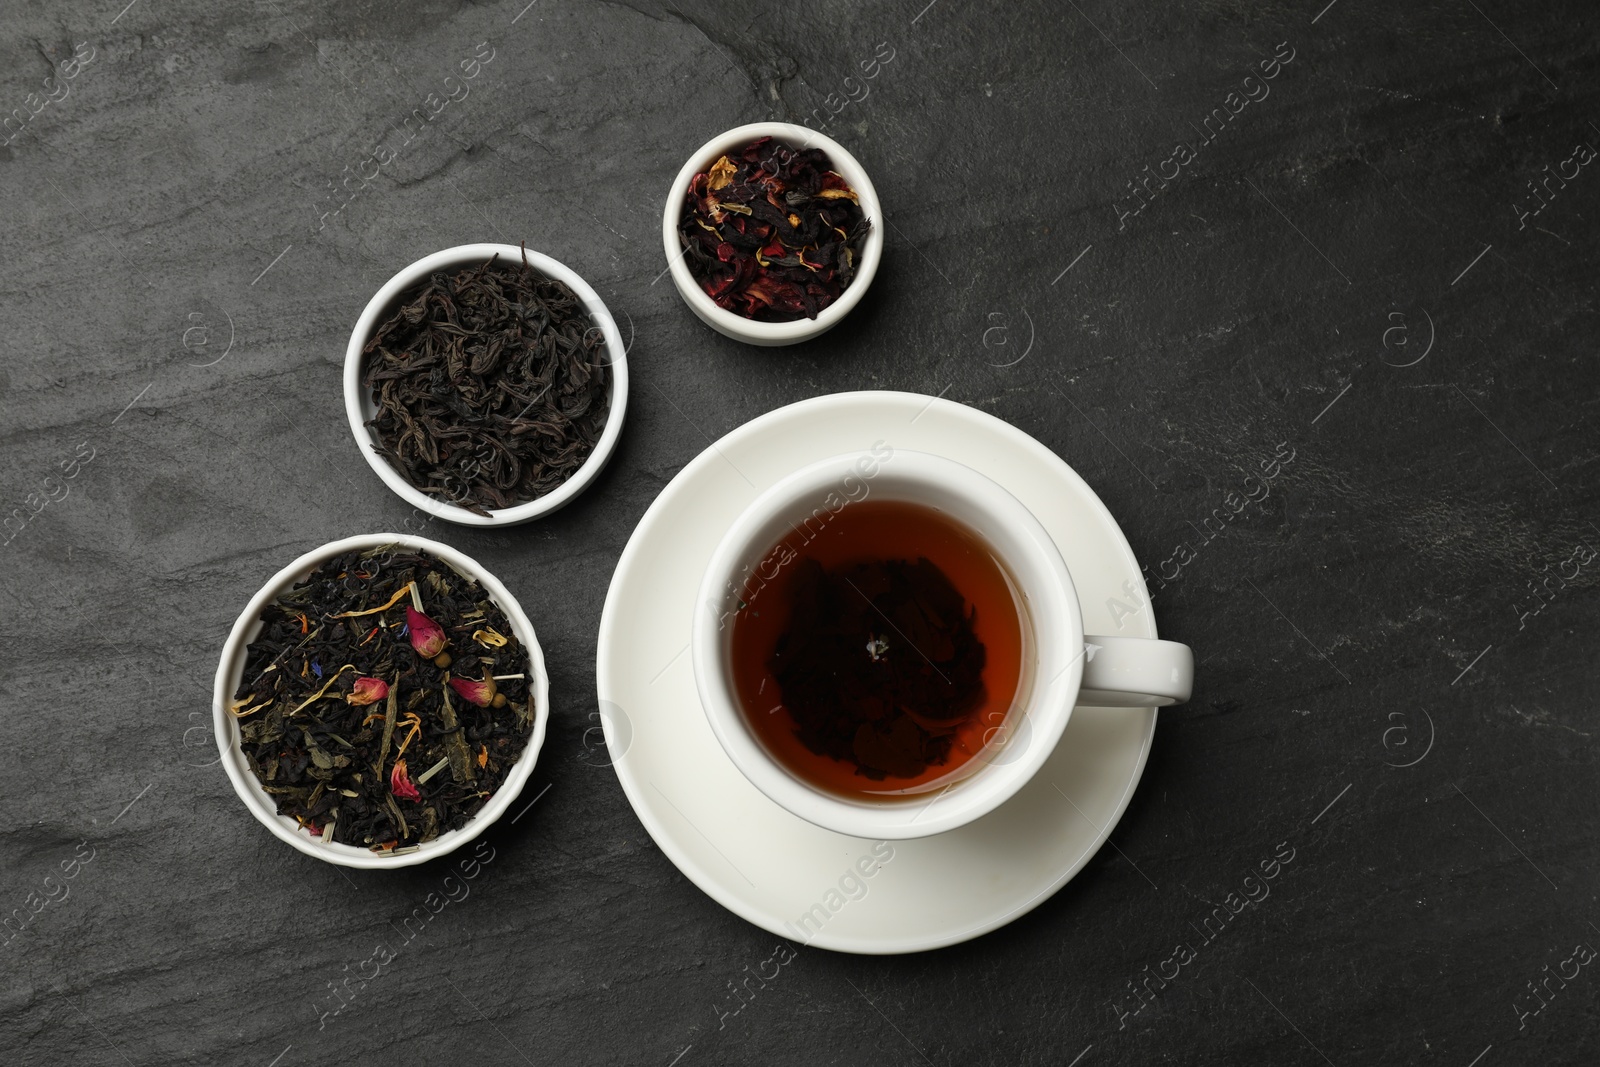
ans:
(490, 385)
(772, 233)
(385, 699)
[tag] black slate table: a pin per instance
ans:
(1381, 258)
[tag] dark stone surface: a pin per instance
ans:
(1375, 610)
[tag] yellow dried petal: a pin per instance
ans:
(320, 693)
(720, 174)
(489, 638)
(408, 589)
(238, 710)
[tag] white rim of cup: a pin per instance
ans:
(907, 818)
(231, 669)
(356, 400)
(847, 167)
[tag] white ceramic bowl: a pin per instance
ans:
(737, 326)
(359, 407)
(229, 673)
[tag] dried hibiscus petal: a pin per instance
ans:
(772, 233)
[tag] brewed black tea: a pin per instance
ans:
(884, 654)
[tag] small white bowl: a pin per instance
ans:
(359, 407)
(231, 669)
(737, 326)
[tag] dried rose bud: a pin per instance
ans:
(425, 635)
(400, 782)
(479, 693)
(367, 691)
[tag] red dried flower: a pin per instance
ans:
(367, 691)
(425, 635)
(400, 782)
(479, 693)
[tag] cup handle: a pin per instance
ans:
(1135, 672)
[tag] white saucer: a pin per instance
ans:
(773, 868)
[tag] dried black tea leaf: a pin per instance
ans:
(490, 385)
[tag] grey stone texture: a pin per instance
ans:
(1382, 256)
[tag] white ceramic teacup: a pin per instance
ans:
(1063, 668)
